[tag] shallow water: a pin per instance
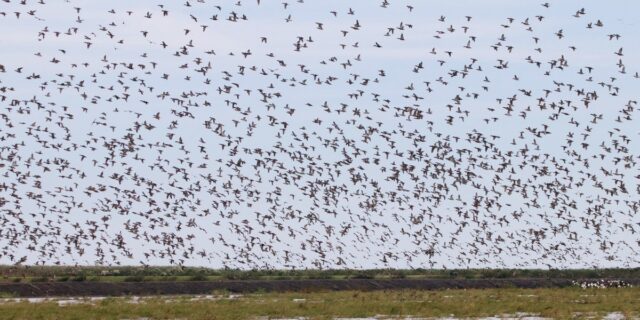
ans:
(63, 301)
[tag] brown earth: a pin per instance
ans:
(42, 289)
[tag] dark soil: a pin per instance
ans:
(42, 289)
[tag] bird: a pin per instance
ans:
(342, 136)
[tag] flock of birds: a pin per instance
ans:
(302, 134)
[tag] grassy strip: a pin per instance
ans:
(130, 273)
(555, 303)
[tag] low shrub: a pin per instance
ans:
(198, 277)
(40, 279)
(362, 276)
(79, 278)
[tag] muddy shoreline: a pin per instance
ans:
(44, 289)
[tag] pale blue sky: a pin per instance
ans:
(117, 37)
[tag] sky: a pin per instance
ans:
(133, 135)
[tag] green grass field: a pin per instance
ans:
(566, 303)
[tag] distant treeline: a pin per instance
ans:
(158, 273)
